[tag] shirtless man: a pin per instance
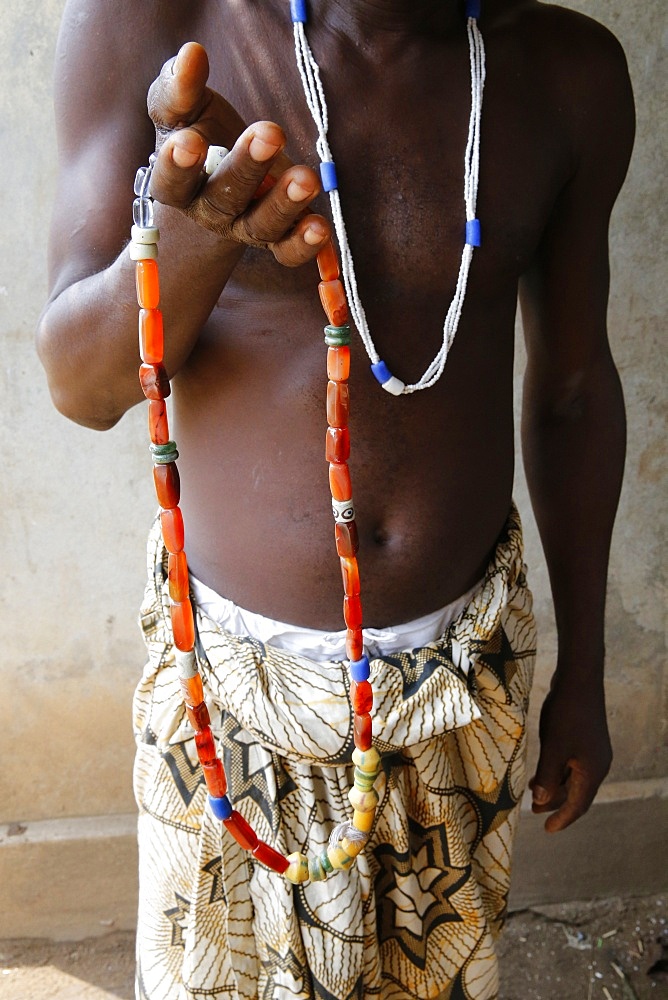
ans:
(433, 471)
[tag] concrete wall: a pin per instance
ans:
(76, 506)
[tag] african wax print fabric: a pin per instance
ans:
(417, 915)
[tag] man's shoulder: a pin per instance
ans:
(567, 36)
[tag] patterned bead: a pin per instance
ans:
(363, 801)
(297, 870)
(361, 696)
(328, 262)
(337, 336)
(192, 690)
(316, 871)
(186, 663)
(363, 821)
(266, 855)
(360, 669)
(338, 404)
(338, 363)
(363, 780)
(346, 538)
(325, 862)
(352, 611)
(148, 284)
(171, 524)
(151, 336)
(206, 746)
(167, 485)
(337, 444)
(158, 426)
(198, 716)
(354, 645)
(362, 731)
(339, 481)
(333, 298)
(338, 858)
(242, 831)
(154, 381)
(367, 760)
(353, 847)
(343, 511)
(214, 775)
(183, 624)
(177, 575)
(220, 807)
(351, 576)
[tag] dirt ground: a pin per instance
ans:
(614, 949)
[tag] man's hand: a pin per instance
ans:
(575, 752)
(188, 117)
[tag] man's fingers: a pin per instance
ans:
(177, 172)
(179, 94)
(579, 795)
(303, 242)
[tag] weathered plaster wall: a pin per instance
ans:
(76, 504)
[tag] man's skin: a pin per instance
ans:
(432, 472)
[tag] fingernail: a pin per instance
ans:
(314, 234)
(260, 150)
(297, 192)
(540, 795)
(184, 157)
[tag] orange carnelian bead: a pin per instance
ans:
(158, 426)
(242, 831)
(346, 538)
(167, 484)
(351, 576)
(361, 697)
(148, 284)
(183, 625)
(339, 481)
(171, 522)
(192, 690)
(177, 574)
(354, 643)
(265, 185)
(151, 338)
(206, 746)
(338, 363)
(362, 735)
(198, 716)
(271, 858)
(333, 298)
(328, 262)
(338, 404)
(214, 775)
(352, 611)
(337, 444)
(154, 381)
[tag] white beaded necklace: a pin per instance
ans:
(309, 72)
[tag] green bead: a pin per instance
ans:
(163, 454)
(364, 780)
(316, 869)
(325, 862)
(337, 336)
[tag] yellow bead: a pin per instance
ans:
(363, 821)
(297, 870)
(338, 858)
(316, 870)
(367, 760)
(353, 847)
(363, 801)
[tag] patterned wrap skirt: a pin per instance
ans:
(417, 915)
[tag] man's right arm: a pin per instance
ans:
(87, 335)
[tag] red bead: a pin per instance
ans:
(351, 576)
(352, 611)
(328, 262)
(337, 444)
(214, 775)
(347, 539)
(242, 831)
(167, 485)
(171, 522)
(148, 284)
(339, 481)
(154, 381)
(265, 185)
(151, 337)
(338, 363)
(361, 697)
(183, 625)
(177, 574)
(158, 426)
(198, 716)
(206, 747)
(362, 735)
(333, 298)
(354, 644)
(271, 858)
(338, 404)
(192, 690)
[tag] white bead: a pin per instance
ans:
(143, 251)
(186, 663)
(394, 386)
(214, 157)
(343, 511)
(149, 235)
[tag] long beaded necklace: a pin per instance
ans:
(348, 838)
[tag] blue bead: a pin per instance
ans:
(473, 234)
(328, 175)
(221, 808)
(473, 8)
(360, 669)
(298, 11)
(381, 372)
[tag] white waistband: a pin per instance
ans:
(320, 645)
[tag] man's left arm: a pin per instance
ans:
(573, 437)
